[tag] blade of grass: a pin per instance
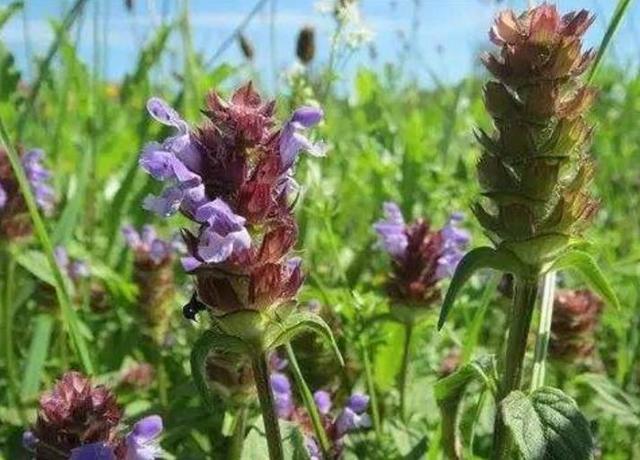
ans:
(70, 320)
(8, 11)
(616, 20)
(37, 357)
(43, 68)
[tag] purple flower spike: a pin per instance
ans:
(323, 401)
(95, 451)
(292, 141)
(38, 177)
(142, 442)
(162, 112)
(312, 448)
(358, 402)
(225, 233)
(392, 230)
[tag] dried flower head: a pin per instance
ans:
(576, 315)
(14, 218)
(306, 44)
(232, 176)
(420, 256)
(80, 421)
(534, 170)
(246, 47)
(138, 375)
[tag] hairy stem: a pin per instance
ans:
(404, 369)
(544, 330)
(309, 402)
(269, 416)
(239, 431)
(521, 313)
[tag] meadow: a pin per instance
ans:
(315, 300)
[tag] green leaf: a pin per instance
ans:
(38, 352)
(547, 425)
(297, 323)
(449, 392)
(209, 341)
(587, 267)
(474, 260)
(255, 444)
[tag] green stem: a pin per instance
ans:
(162, 381)
(239, 431)
(544, 330)
(404, 370)
(7, 320)
(269, 417)
(524, 301)
(309, 402)
(371, 388)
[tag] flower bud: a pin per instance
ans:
(576, 315)
(246, 47)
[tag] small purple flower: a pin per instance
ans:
(224, 235)
(29, 441)
(292, 141)
(455, 241)
(323, 401)
(142, 441)
(38, 177)
(276, 363)
(312, 448)
(283, 398)
(94, 451)
(75, 269)
(353, 416)
(392, 230)
(147, 244)
(3, 197)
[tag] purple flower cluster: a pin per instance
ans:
(147, 245)
(13, 207)
(351, 418)
(82, 421)
(421, 256)
(75, 269)
(232, 176)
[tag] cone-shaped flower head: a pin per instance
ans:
(576, 315)
(74, 413)
(14, 218)
(534, 170)
(80, 421)
(232, 176)
(153, 275)
(420, 256)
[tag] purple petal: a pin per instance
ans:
(159, 251)
(323, 401)
(190, 263)
(62, 257)
(217, 212)
(280, 383)
(131, 236)
(307, 116)
(166, 204)
(95, 451)
(79, 269)
(312, 448)
(3, 197)
(358, 402)
(29, 441)
(148, 428)
(162, 112)
(392, 213)
(349, 421)
(148, 235)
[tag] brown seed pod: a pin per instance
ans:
(306, 46)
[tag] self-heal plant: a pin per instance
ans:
(420, 257)
(81, 421)
(153, 260)
(14, 217)
(534, 172)
(232, 176)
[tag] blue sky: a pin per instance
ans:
(446, 35)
